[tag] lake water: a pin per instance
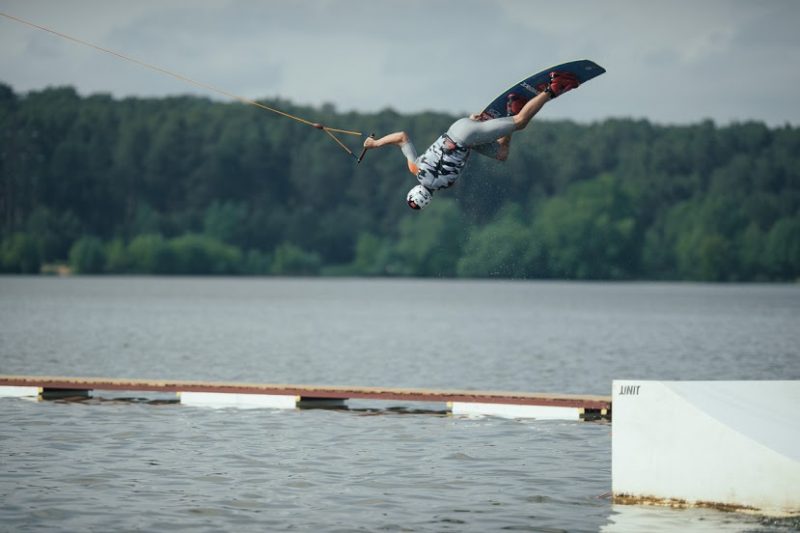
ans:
(142, 467)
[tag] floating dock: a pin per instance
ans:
(253, 395)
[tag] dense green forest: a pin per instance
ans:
(186, 185)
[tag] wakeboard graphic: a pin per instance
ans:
(512, 100)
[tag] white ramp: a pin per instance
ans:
(727, 444)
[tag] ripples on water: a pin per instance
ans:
(141, 467)
(146, 467)
(553, 337)
(126, 466)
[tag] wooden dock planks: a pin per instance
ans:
(311, 391)
(259, 395)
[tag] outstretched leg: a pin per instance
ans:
(472, 132)
(560, 82)
(530, 109)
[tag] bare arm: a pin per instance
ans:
(401, 139)
(397, 138)
(504, 146)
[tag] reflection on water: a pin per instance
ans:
(637, 518)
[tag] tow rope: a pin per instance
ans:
(330, 131)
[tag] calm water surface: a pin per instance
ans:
(142, 467)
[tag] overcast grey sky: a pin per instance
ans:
(676, 61)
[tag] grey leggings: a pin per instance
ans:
(468, 132)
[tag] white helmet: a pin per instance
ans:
(419, 197)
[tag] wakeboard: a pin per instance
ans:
(512, 100)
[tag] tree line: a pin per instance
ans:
(187, 185)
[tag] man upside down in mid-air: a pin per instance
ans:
(440, 165)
